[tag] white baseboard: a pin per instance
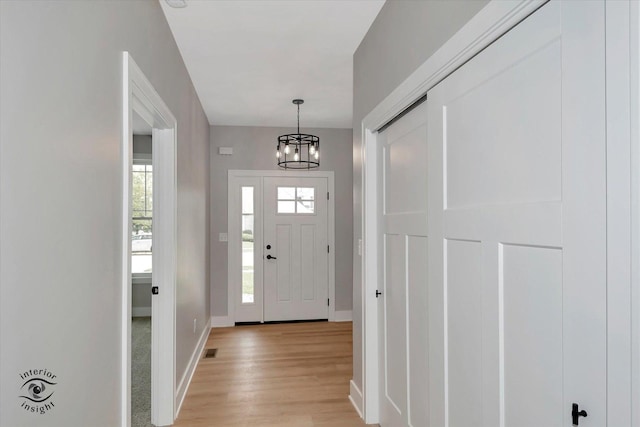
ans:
(343, 316)
(355, 396)
(140, 311)
(221, 322)
(191, 369)
(225, 322)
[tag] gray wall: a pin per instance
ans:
(142, 144)
(254, 149)
(141, 295)
(403, 36)
(60, 198)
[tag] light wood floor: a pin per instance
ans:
(285, 375)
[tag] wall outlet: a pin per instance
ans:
(223, 237)
(360, 247)
(195, 325)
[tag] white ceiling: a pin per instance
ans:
(249, 58)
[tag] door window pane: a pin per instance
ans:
(247, 200)
(248, 249)
(303, 206)
(286, 193)
(296, 200)
(306, 193)
(286, 206)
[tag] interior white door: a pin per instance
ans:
(296, 276)
(517, 237)
(402, 305)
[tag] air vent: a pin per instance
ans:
(211, 353)
(178, 4)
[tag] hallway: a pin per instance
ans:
(280, 375)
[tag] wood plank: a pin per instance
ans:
(282, 375)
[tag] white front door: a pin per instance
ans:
(295, 248)
(515, 259)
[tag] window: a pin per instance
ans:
(142, 204)
(248, 250)
(296, 200)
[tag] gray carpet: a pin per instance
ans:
(141, 372)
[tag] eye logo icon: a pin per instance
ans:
(36, 391)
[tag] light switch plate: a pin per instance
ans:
(223, 237)
(360, 247)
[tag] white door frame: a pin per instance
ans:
(491, 22)
(233, 213)
(140, 97)
(623, 212)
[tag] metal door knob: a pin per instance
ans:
(271, 257)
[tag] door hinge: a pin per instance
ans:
(327, 248)
(327, 302)
(327, 195)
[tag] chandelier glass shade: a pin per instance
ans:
(298, 150)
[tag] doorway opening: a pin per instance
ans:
(148, 243)
(141, 272)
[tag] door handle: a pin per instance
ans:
(378, 293)
(575, 414)
(271, 257)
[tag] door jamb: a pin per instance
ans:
(140, 96)
(486, 26)
(232, 211)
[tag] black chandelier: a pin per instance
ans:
(298, 150)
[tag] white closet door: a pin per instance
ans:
(403, 303)
(296, 272)
(517, 238)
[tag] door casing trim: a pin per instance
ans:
(232, 212)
